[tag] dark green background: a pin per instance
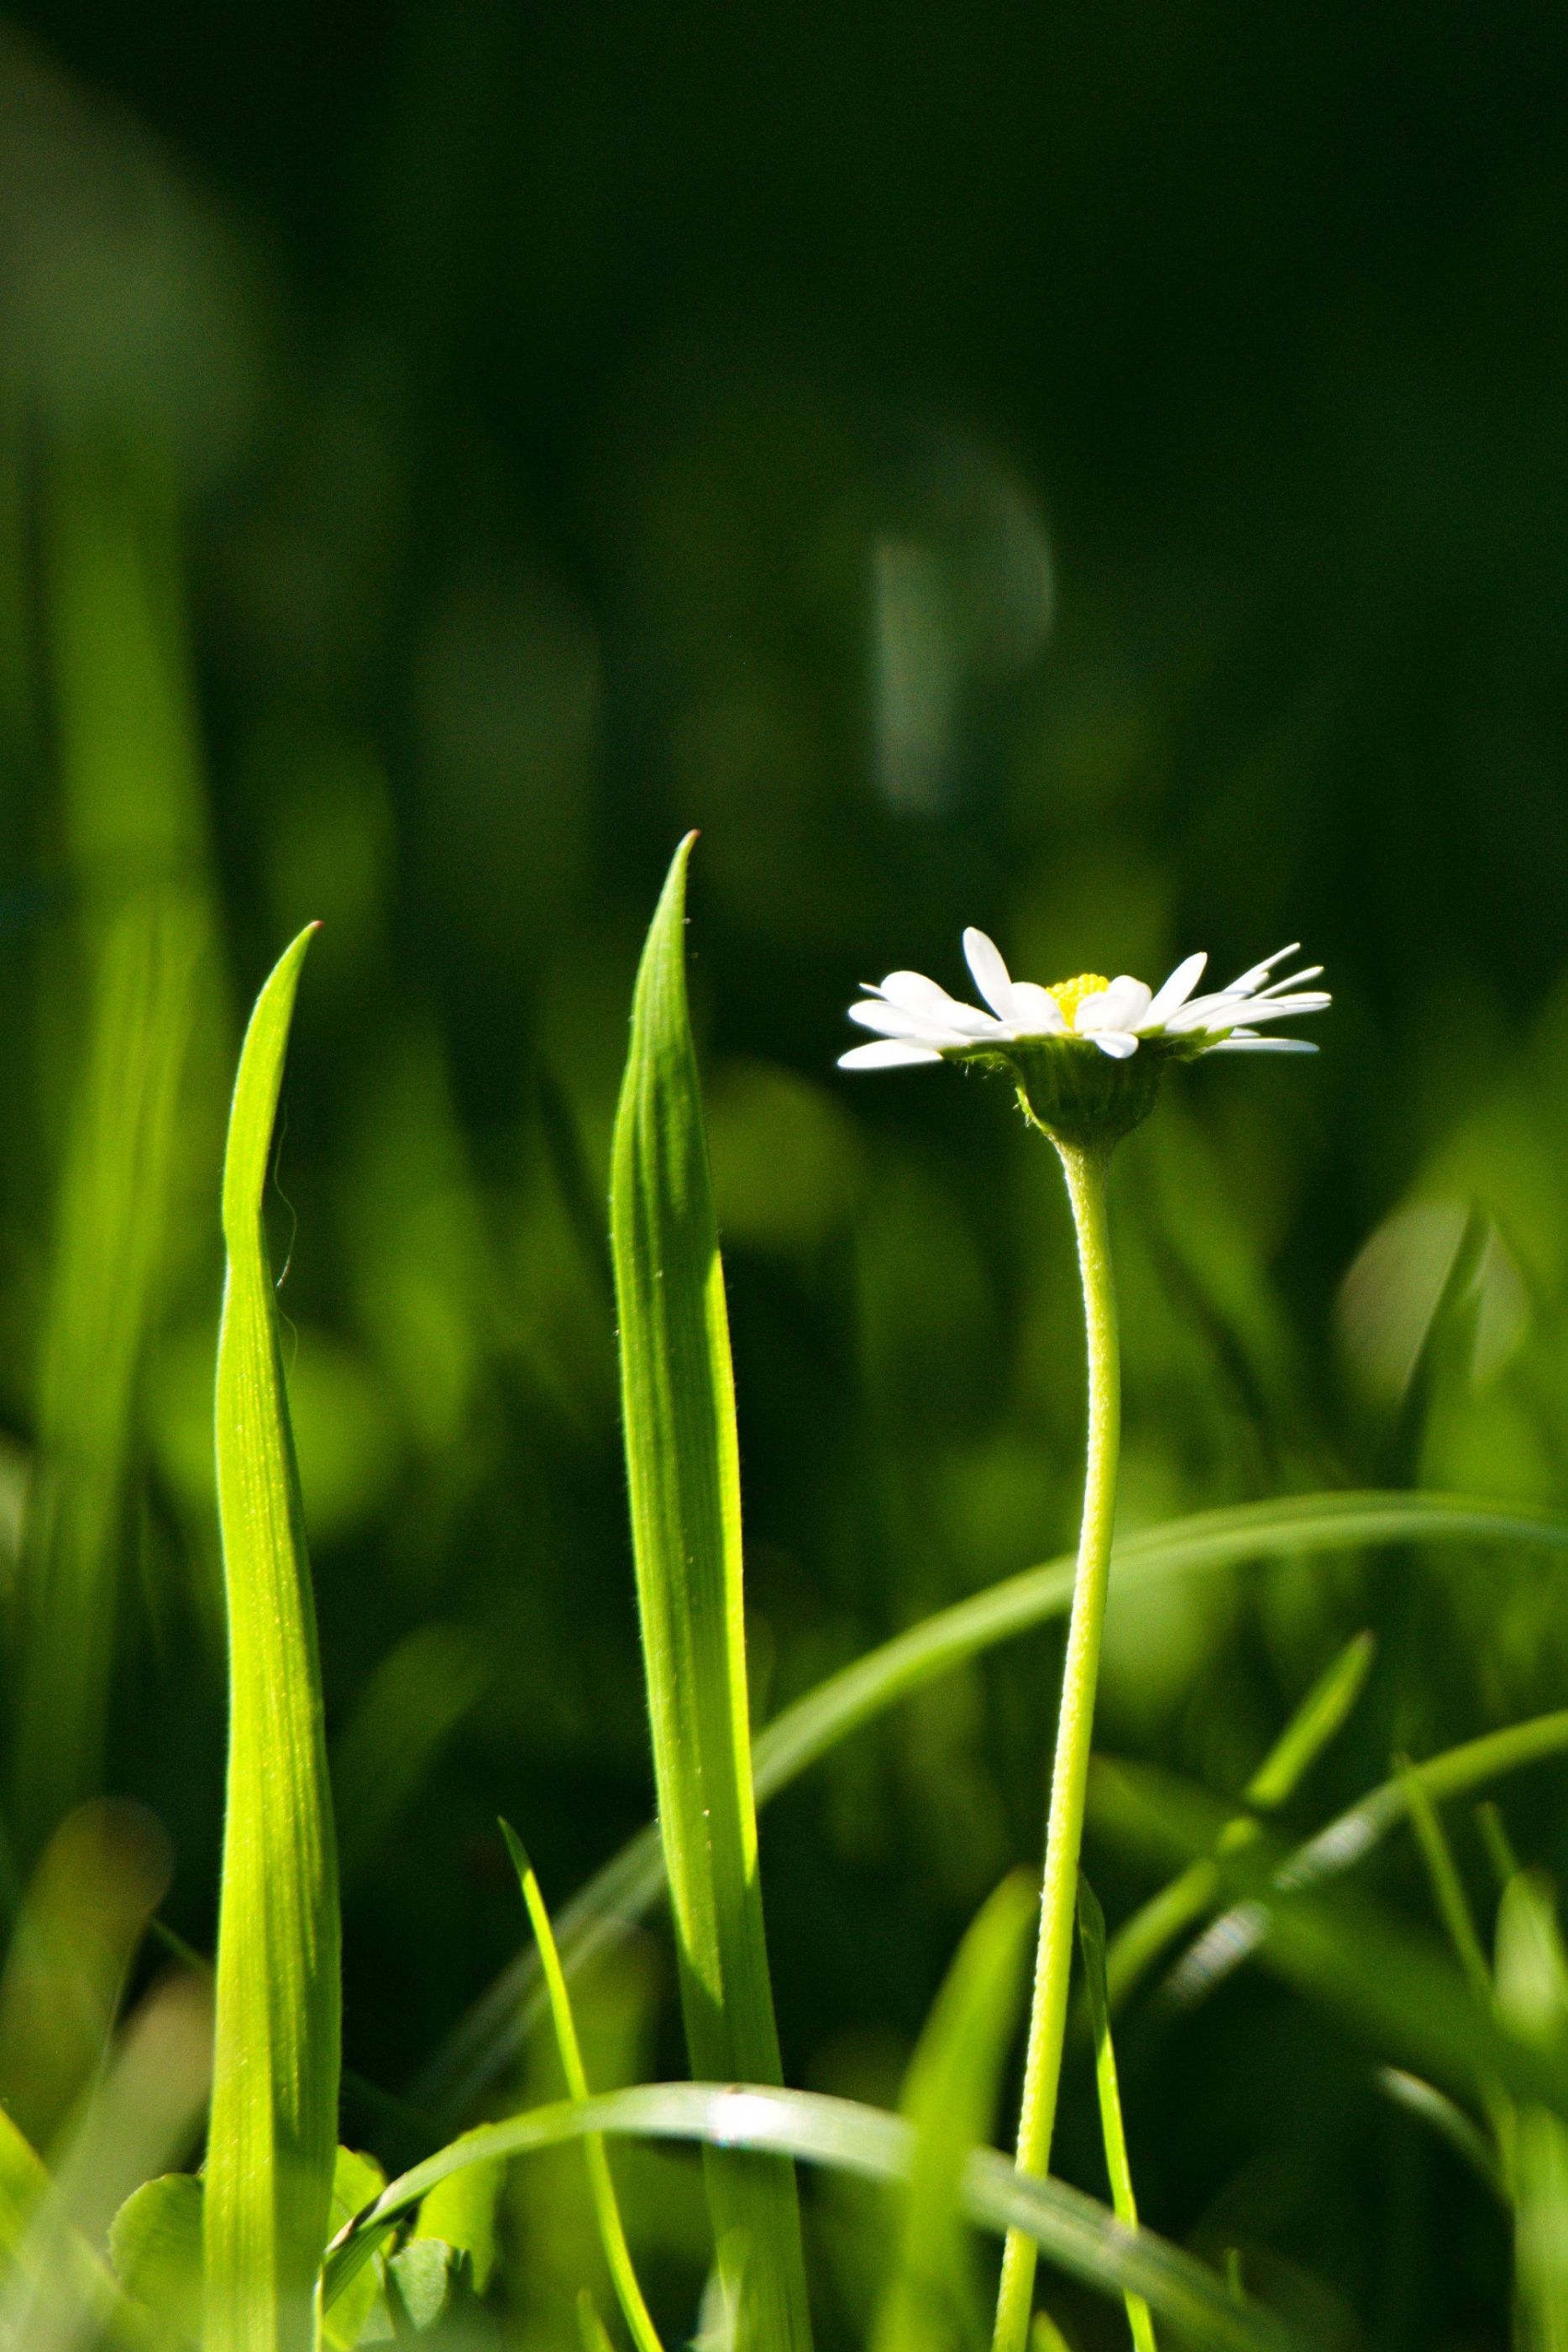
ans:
(1096, 472)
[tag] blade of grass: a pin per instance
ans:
(949, 2098)
(50, 2278)
(1140, 1940)
(1453, 1909)
(630, 1882)
(1316, 1721)
(1082, 2236)
(1443, 1875)
(1499, 1846)
(102, 1874)
(1448, 2120)
(1350, 1837)
(1399, 1990)
(272, 2141)
(1532, 1998)
(613, 2234)
(684, 1477)
(412, 1703)
(590, 2326)
(134, 830)
(1113, 2132)
(142, 2117)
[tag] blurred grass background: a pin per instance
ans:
(1096, 474)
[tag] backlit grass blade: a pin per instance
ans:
(613, 2234)
(1113, 2132)
(949, 2097)
(1079, 2235)
(631, 1881)
(683, 1471)
(272, 2142)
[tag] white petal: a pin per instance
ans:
(1282, 987)
(992, 977)
(1259, 971)
(1201, 1010)
(1116, 1043)
(1282, 1008)
(1120, 1006)
(931, 1006)
(1035, 1013)
(887, 1054)
(1264, 1045)
(888, 1021)
(913, 992)
(1175, 991)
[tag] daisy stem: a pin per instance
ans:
(1084, 1167)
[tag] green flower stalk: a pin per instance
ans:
(1086, 1058)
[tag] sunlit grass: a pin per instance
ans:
(283, 2239)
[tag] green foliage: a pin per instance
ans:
(683, 1475)
(272, 2140)
(949, 2098)
(357, 2181)
(155, 2245)
(468, 633)
(1091, 1937)
(1082, 2238)
(813, 1726)
(1532, 1999)
(1139, 1941)
(142, 958)
(613, 2234)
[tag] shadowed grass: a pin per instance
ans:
(630, 1882)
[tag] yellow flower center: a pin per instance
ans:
(1071, 993)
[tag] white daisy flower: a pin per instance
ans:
(914, 1020)
(1085, 1055)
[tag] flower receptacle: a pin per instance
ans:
(1079, 1096)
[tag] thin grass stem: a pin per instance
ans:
(607, 2210)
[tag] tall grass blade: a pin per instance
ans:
(135, 836)
(1079, 2235)
(611, 2232)
(1112, 2131)
(683, 1468)
(630, 1882)
(949, 2098)
(272, 2142)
